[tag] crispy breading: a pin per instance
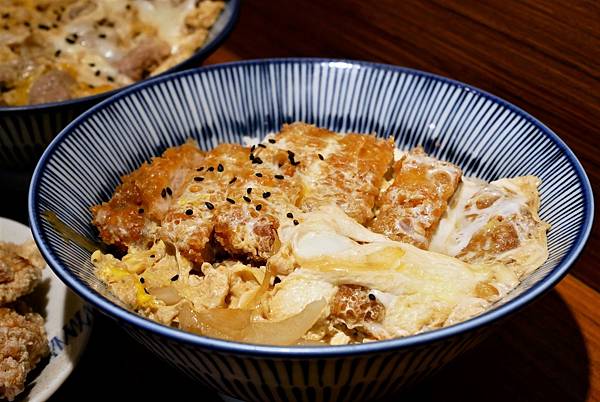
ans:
(234, 200)
(20, 270)
(412, 206)
(144, 196)
(342, 169)
(353, 304)
(23, 344)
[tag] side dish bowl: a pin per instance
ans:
(25, 131)
(485, 135)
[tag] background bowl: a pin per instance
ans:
(25, 131)
(486, 136)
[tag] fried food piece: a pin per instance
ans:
(23, 344)
(342, 169)
(496, 223)
(144, 197)
(353, 304)
(235, 199)
(411, 207)
(20, 270)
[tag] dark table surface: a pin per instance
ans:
(544, 56)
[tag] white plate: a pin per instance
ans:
(68, 324)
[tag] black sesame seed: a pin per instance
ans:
(44, 27)
(198, 178)
(189, 212)
(220, 168)
(142, 280)
(276, 280)
(232, 180)
(146, 291)
(271, 140)
(294, 163)
(6, 15)
(141, 210)
(249, 190)
(27, 24)
(257, 160)
(258, 174)
(111, 79)
(321, 157)
(371, 296)
(259, 207)
(252, 148)
(57, 53)
(152, 256)
(279, 176)
(210, 169)
(290, 215)
(163, 193)
(169, 191)
(291, 154)
(200, 169)
(174, 277)
(92, 64)
(209, 205)
(128, 7)
(91, 86)
(296, 222)
(262, 145)
(229, 200)
(70, 40)
(102, 36)
(251, 157)
(247, 199)
(266, 194)
(97, 73)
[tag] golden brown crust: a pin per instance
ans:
(145, 195)
(411, 208)
(342, 169)
(23, 343)
(353, 304)
(20, 270)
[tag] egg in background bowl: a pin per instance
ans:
(488, 137)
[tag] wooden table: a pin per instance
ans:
(541, 55)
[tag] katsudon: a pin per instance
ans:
(314, 237)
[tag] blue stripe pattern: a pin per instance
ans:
(25, 131)
(486, 136)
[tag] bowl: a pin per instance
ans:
(486, 136)
(25, 131)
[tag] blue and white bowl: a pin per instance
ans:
(486, 136)
(25, 131)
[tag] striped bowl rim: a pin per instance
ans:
(224, 346)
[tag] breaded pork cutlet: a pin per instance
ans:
(410, 209)
(144, 196)
(20, 270)
(342, 169)
(233, 198)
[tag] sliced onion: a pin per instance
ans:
(236, 324)
(287, 331)
(167, 294)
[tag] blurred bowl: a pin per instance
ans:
(25, 131)
(486, 136)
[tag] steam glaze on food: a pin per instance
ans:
(314, 237)
(54, 50)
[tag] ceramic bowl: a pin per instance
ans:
(25, 131)
(486, 136)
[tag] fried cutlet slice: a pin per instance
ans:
(20, 270)
(234, 202)
(23, 344)
(342, 169)
(495, 223)
(411, 207)
(144, 197)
